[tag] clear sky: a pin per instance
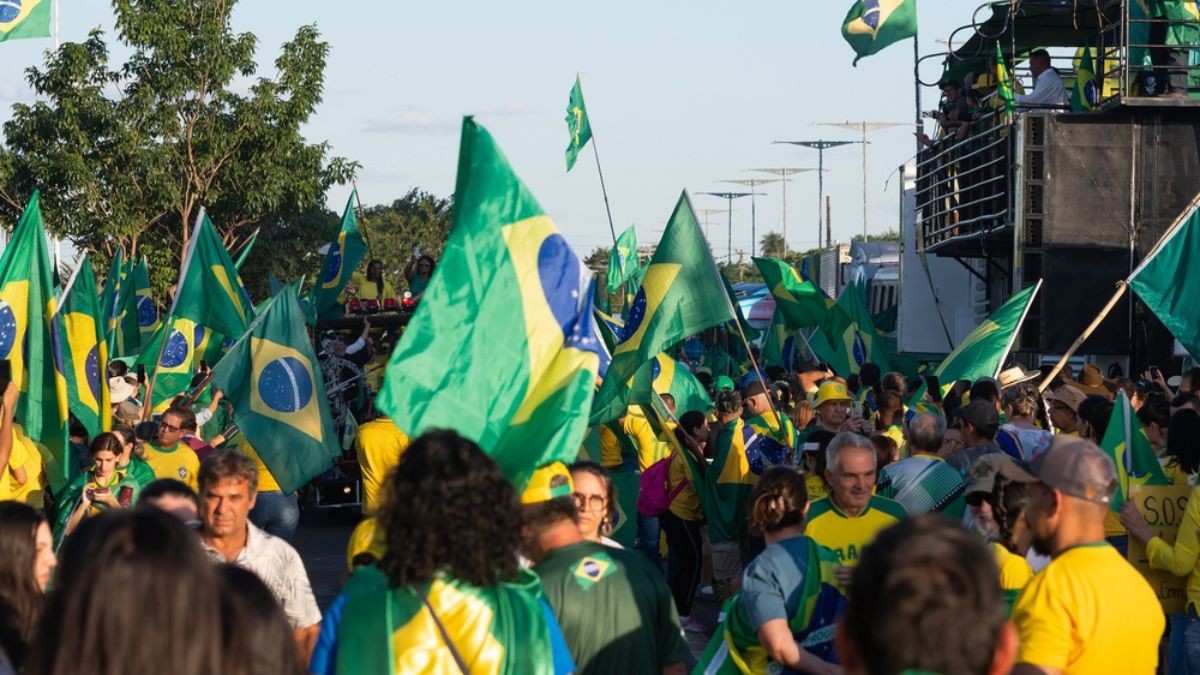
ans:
(681, 94)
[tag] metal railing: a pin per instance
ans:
(1133, 56)
(964, 186)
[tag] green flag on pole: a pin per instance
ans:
(983, 352)
(666, 376)
(504, 347)
(272, 379)
(246, 248)
(1164, 280)
(1127, 445)
(622, 260)
(82, 351)
(346, 251)
(25, 19)
(210, 293)
(872, 25)
(110, 295)
(682, 293)
(578, 125)
(26, 308)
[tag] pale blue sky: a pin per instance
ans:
(681, 94)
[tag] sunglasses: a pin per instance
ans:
(169, 427)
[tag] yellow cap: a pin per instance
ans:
(831, 391)
(541, 487)
(366, 538)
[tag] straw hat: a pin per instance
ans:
(1016, 375)
(1092, 381)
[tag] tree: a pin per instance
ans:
(597, 260)
(891, 235)
(126, 156)
(772, 245)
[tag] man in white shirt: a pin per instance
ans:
(1048, 89)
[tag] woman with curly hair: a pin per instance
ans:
(789, 594)
(447, 594)
(26, 561)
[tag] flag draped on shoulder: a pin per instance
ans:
(983, 352)
(578, 125)
(26, 308)
(1163, 280)
(682, 293)
(872, 25)
(81, 351)
(622, 260)
(503, 347)
(23, 19)
(1126, 444)
(272, 379)
(346, 251)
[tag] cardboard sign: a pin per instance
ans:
(1162, 506)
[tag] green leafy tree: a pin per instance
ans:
(126, 154)
(772, 245)
(418, 219)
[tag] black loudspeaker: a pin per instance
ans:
(1078, 282)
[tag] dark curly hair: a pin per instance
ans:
(448, 509)
(777, 501)
(1008, 500)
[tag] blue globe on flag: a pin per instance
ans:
(558, 270)
(176, 351)
(285, 385)
(860, 349)
(9, 10)
(146, 311)
(8, 329)
(91, 367)
(333, 264)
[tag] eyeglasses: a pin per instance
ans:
(589, 502)
(169, 427)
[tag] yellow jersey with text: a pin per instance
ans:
(831, 528)
(1089, 611)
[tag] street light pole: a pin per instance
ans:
(730, 196)
(705, 213)
(753, 183)
(820, 146)
(864, 128)
(783, 172)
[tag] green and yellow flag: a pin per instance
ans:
(210, 293)
(135, 313)
(622, 260)
(1004, 85)
(81, 350)
(246, 248)
(272, 378)
(504, 347)
(872, 25)
(169, 357)
(868, 344)
(1084, 94)
(1163, 280)
(681, 294)
(1125, 442)
(668, 377)
(23, 19)
(26, 310)
(346, 251)
(110, 295)
(578, 125)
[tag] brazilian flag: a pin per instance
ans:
(578, 124)
(1084, 94)
(1126, 443)
(666, 376)
(272, 379)
(503, 348)
(210, 293)
(22, 19)
(622, 260)
(110, 296)
(682, 294)
(872, 25)
(780, 346)
(81, 352)
(26, 309)
(169, 357)
(840, 341)
(346, 251)
(137, 318)
(868, 343)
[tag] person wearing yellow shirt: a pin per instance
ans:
(850, 517)
(1183, 557)
(27, 472)
(167, 454)
(373, 285)
(1088, 611)
(274, 512)
(998, 499)
(379, 445)
(7, 409)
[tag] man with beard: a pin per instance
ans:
(1088, 611)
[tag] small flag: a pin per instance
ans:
(872, 25)
(22, 19)
(1084, 95)
(1127, 445)
(509, 309)
(110, 296)
(272, 379)
(1163, 281)
(346, 251)
(578, 125)
(622, 260)
(668, 377)
(1004, 86)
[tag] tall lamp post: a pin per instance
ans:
(729, 196)
(753, 183)
(864, 128)
(783, 172)
(705, 213)
(820, 146)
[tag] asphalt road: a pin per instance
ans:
(323, 536)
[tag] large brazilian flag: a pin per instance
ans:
(81, 352)
(272, 379)
(504, 347)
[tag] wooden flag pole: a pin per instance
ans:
(361, 212)
(1122, 286)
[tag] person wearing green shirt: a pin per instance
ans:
(128, 462)
(615, 609)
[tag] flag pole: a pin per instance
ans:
(596, 152)
(361, 211)
(920, 127)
